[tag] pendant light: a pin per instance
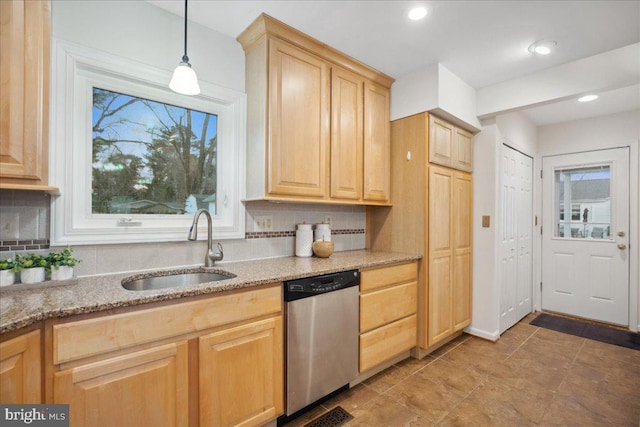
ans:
(184, 78)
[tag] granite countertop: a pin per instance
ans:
(22, 305)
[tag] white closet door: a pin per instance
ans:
(525, 241)
(515, 222)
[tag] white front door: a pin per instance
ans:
(585, 239)
(516, 215)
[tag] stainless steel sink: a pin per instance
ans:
(163, 281)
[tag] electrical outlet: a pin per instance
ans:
(328, 219)
(263, 223)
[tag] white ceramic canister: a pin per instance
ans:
(304, 240)
(322, 232)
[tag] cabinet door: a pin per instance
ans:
(440, 322)
(462, 238)
(346, 134)
(377, 144)
(241, 374)
(148, 387)
(20, 380)
(24, 104)
(441, 137)
(298, 122)
(463, 150)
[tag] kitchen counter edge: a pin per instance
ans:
(23, 307)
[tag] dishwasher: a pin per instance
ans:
(321, 339)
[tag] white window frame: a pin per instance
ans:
(76, 70)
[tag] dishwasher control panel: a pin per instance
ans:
(310, 286)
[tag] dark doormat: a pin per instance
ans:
(592, 331)
(334, 418)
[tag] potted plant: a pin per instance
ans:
(8, 268)
(33, 268)
(62, 263)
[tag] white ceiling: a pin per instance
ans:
(483, 42)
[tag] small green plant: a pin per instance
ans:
(11, 264)
(62, 258)
(33, 261)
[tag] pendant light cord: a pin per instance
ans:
(185, 58)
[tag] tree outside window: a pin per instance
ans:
(150, 157)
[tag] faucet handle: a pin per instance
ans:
(220, 254)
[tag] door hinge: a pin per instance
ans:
(540, 286)
(540, 173)
(541, 230)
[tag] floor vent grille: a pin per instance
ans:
(334, 418)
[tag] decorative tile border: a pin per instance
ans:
(23, 245)
(35, 245)
(273, 234)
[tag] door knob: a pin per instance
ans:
(621, 233)
(622, 246)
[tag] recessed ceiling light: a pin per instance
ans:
(588, 98)
(543, 47)
(417, 13)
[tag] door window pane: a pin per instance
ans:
(583, 202)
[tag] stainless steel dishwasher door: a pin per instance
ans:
(322, 345)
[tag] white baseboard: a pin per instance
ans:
(491, 336)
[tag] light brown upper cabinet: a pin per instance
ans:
(449, 145)
(24, 109)
(299, 122)
(317, 120)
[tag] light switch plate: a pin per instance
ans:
(486, 221)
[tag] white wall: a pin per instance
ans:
(516, 131)
(436, 89)
(618, 130)
(143, 32)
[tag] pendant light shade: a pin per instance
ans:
(184, 78)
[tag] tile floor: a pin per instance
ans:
(531, 376)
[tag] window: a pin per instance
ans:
(151, 157)
(587, 191)
(134, 160)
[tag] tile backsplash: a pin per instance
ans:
(25, 219)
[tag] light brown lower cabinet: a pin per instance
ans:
(215, 361)
(241, 377)
(147, 387)
(388, 307)
(20, 368)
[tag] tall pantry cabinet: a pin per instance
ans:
(431, 215)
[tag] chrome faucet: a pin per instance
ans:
(210, 257)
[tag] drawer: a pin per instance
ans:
(76, 340)
(386, 342)
(378, 308)
(381, 277)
